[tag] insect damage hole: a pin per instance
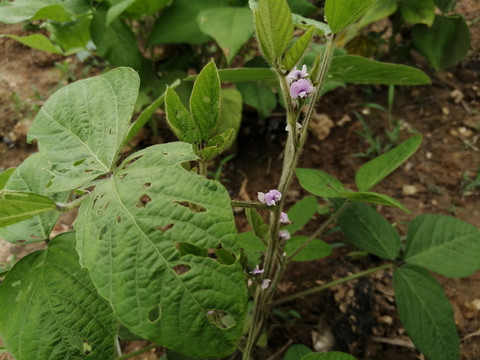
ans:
(164, 228)
(191, 206)
(222, 319)
(143, 201)
(181, 269)
(155, 314)
(86, 347)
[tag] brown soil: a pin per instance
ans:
(359, 317)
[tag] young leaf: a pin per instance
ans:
(80, 127)
(445, 43)
(317, 249)
(274, 26)
(295, 53)
(205, 100)
(301, 213)
(371, 173)
(368, 230)
(426, 313)
(32, 176)
(341, 13)
(256, 223)
(72, 37)
(319, 183)
(218, 144)
(374, 198)
(358, 70)
(230, 116)
(16, 206)
(305, 23)
(230, 27)
(180, 120)
(331, 355)
(127, 236)
(249, 241)
(4, 176)
(50, 308)
(443, 244)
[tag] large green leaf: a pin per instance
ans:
(359, 70)
(81, 127)
(426, 313)
(32, 176)
(135, 8)
(320, 183)
(301, 7)
(443, 244)
(258, 95)
(341, 13)
(205, 100)
(274, 26)
(317, 249)
(301, 213)
(371, 173)
(178, 23)
(51, 310)
(230, 27)
(368, 230)
(379, 10)
(21, 10)
(418, 12)
(73, 37)
(130, 232)
(445, 43)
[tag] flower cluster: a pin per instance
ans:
(270, 198)
(300, 86)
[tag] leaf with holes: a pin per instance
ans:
(50, 308)
(31, 176)
(130, 233)
(80, 127)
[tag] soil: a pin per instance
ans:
(439, 178)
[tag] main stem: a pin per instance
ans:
(273, 264)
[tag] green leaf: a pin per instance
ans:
(4, 176)
(259, 96)
(230, 117)
(21, 10)
(418, 12)
(295, 352)
(378, 11)
(205, 100)
(302, 7)
(246, 74)
(319, 183)
(115, 42)
(371, 173)
(36, 41)
(230, 27)
(317, 249)
(16, 206)
(81, 126)
(444, 5)
(358, 70)
(369, 231)
(274, 27)
(341, 13)
(426, 313)
(301, 213)
(50, 308)
(256, 223)
(331, 355)
(445, 43)
(374, 198)
(250, 242)
(178, 23)
(141, 8)
(117, 8)
(443, 244)
(295, 53)
(32, 176)
(73, 37)
(218, 144)
(128, 232)
(180, 120)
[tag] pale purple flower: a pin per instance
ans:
(284, 234)
(284, 218)
(266, 283)
(301, 89)
(295, 74)
(297, 125)
(270, 198)
(257, 271)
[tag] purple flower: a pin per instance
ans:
(295, 74)
(284, 218)
(256, 271)
(301, 89)
(270, 198)
(266, 283)
(284, 234)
